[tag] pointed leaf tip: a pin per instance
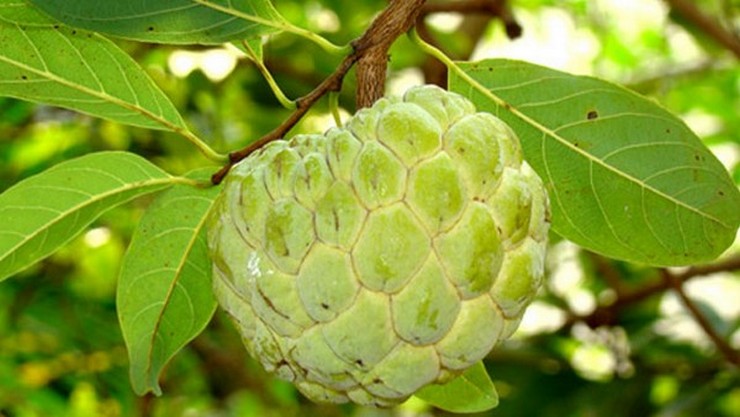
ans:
(471, 392)
(164, 293)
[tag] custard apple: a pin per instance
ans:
(392, 253)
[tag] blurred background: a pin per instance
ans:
(602, 338)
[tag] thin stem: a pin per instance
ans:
(334, 107)
(367, 51)
(282, 98)
(192, 182)
(608, 314)
(451, 66)
(319, 40)
(729, 264)
(282, 25)
(206, 150)
(729, 353)
(428, 48)
(303, 104)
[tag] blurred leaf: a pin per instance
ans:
(164, 291)
(78, 70)
(45, 211)
(471, 392)
(96, 256)
(169, 21)
(626, 178)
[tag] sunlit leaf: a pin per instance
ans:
(626, 178)
(471, 392)
(169, 21)
(164, 291)
(50, 63)
(45, 211)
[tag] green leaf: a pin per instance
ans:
(253, 49)
(164, 293)
(170, 21)
(50, 63)
(18, 11)
(471, 392)
(45, 211)
(626, 178)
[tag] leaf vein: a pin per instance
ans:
(80, 206)
(601, 208)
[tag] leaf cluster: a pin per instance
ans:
(628, 180)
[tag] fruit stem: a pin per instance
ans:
(369, 52)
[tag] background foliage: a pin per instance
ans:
(604, 337)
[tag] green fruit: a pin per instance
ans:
(383, 256)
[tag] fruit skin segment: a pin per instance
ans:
(392, 253)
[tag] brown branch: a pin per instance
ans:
(369, 53)
(676, 284)
(494, 8)
(393, 22)
(607, 270)
(303, 104)
(606, 315)
(712, 28)
(729, 264)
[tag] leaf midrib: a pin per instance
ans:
(96, 198)
(95, 93)
(550, 133)
(178, 275)
(240, 15)
(132, 16)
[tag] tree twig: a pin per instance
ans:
(303, 104)
(729, 264)
(494, 8)
(712, 28)
(369, 53)
(606, 315)
(727, 351)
